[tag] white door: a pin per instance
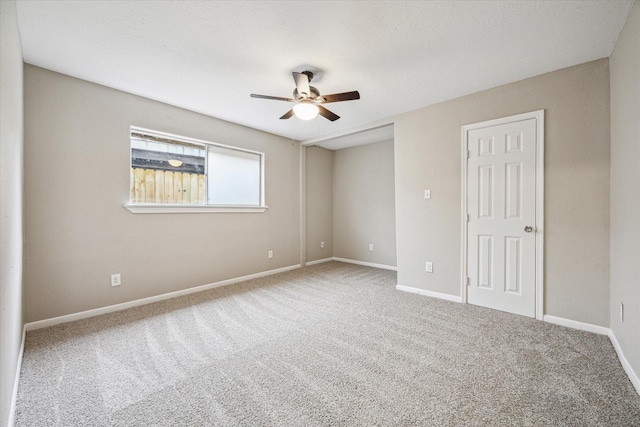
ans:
(501, 226)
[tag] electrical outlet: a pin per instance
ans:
(370, 246)
(270, 254)
(427, 194)
(116, 280)
(322, 244)
(429, 267)
(621, 312)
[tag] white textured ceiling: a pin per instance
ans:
(208, 56)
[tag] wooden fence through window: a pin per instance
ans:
(160, 186)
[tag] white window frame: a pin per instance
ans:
(192, 208)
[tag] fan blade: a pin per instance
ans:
(327, 114)
(275, 98)
(288, 114)
(302, 84)
(345, 96)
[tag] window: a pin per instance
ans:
(169, 171)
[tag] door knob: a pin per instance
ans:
(528, 229)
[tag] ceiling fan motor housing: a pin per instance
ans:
(313, 95)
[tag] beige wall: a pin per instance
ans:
(11, 241)
(364, 204)
(625, 188)
(319, 200)
(77, 181)
(427, 150)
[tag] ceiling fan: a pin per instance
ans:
(308, 99)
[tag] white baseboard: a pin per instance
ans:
(16, 381)
(588, 327)
(123, 306)
(432, 294)
(318, 261)
(633, 377)
(574, 324)
(352, 261)
(367, 264)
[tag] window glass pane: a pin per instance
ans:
(233, 177)
(170, 169)
(167, 172)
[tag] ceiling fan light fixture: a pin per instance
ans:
(305, 110)
(307, 99)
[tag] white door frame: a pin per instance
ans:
(539, 222)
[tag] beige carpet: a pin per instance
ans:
(328, 345)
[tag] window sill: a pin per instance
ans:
(155, 209)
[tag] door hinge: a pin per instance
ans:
(468, 217)
(467, 154)
(468, 281)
